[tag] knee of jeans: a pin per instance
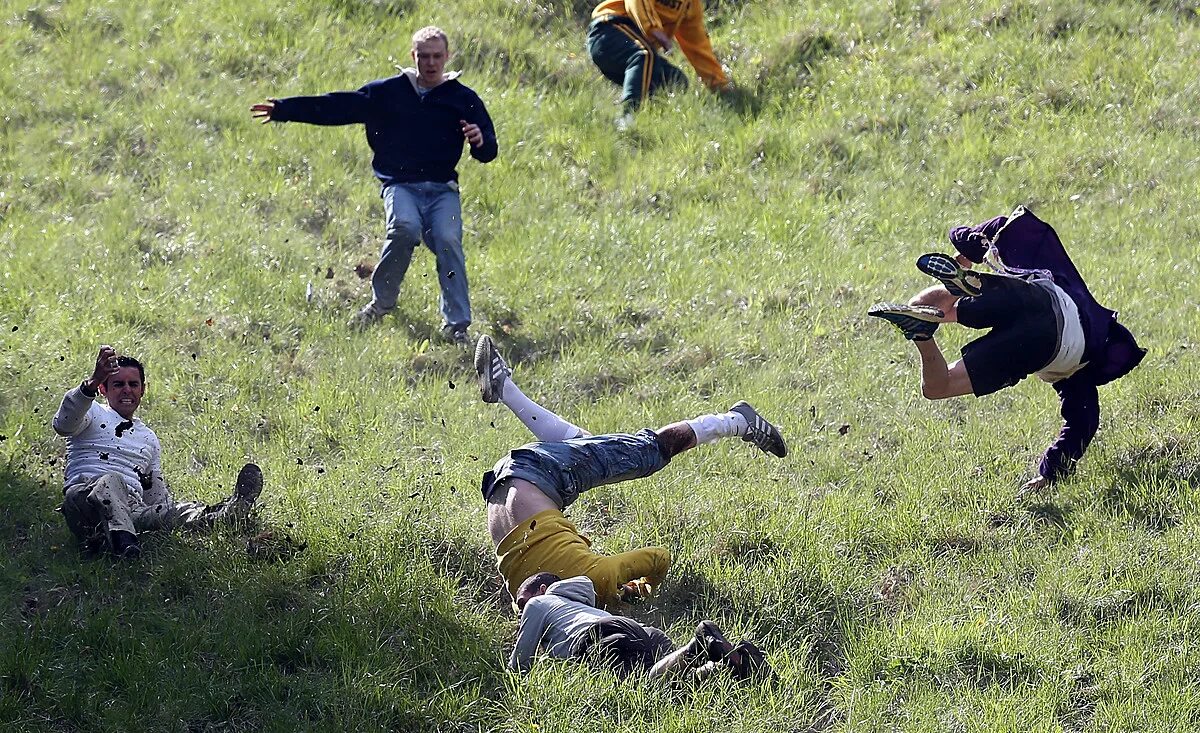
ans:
(404, 232)
(443, 242)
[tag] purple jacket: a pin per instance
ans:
(1025, 242)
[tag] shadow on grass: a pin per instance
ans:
(200, 634)
(969, 663)
(1147, 482)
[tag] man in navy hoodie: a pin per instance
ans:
(416, 123)
(1043, 321)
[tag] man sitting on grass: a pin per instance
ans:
(114, 483)
(561, 617)
(528, 489)
(1043, 321)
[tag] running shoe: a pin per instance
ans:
(916, 322)
(761, 433)
(491, 368)
(958, 281)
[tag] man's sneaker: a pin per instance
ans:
(958, 281)
(711, 641)
(249, 483)
(124, 544)
(492, 370)
(761, 433)
(456, 335)
(367, 317)
(916, 322)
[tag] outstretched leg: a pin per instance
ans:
(496, 385)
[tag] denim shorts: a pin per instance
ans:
(564, 470)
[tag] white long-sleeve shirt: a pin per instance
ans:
(95, 447)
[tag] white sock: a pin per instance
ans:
(545, 425)
(711, 428)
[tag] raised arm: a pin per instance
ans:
(71, 417)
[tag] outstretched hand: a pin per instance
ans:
(106, 366)
(263, 110)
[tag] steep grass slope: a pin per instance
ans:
(890, 568)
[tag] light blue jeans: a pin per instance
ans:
(431, 212)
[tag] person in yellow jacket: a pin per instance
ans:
(627, 40)
(528, 489)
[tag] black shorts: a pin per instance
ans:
(1024, 336)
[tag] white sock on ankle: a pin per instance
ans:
(545, 425)
(711, 428)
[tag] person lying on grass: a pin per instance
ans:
(561, 617)
(528, 489)
(114, 486)
(1043, 321)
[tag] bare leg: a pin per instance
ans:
(681, 658)
(676, 438)
(940, 298)
(939, 380)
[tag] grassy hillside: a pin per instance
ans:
(889, 566)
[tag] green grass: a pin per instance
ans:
(889, 567)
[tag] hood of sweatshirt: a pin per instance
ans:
(410, 73)
(578, 589)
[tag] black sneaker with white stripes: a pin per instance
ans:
(761, 433)
(916, 322)
(491, 368)
(945, 268)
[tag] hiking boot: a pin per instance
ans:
(367, 317)
(916, 322)
(249, 483)
(958, 281)
(761, 433)
(493, 371)
(124, 545)
(456, 335)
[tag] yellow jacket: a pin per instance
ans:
(682, 20)
(550, 542)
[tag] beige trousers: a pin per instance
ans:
(101, 505)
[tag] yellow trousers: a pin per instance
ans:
(549, 542)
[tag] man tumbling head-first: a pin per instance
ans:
(528, 489)
(1042, 320)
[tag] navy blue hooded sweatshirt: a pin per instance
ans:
(414, 138)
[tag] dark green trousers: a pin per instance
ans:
(628, 59)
